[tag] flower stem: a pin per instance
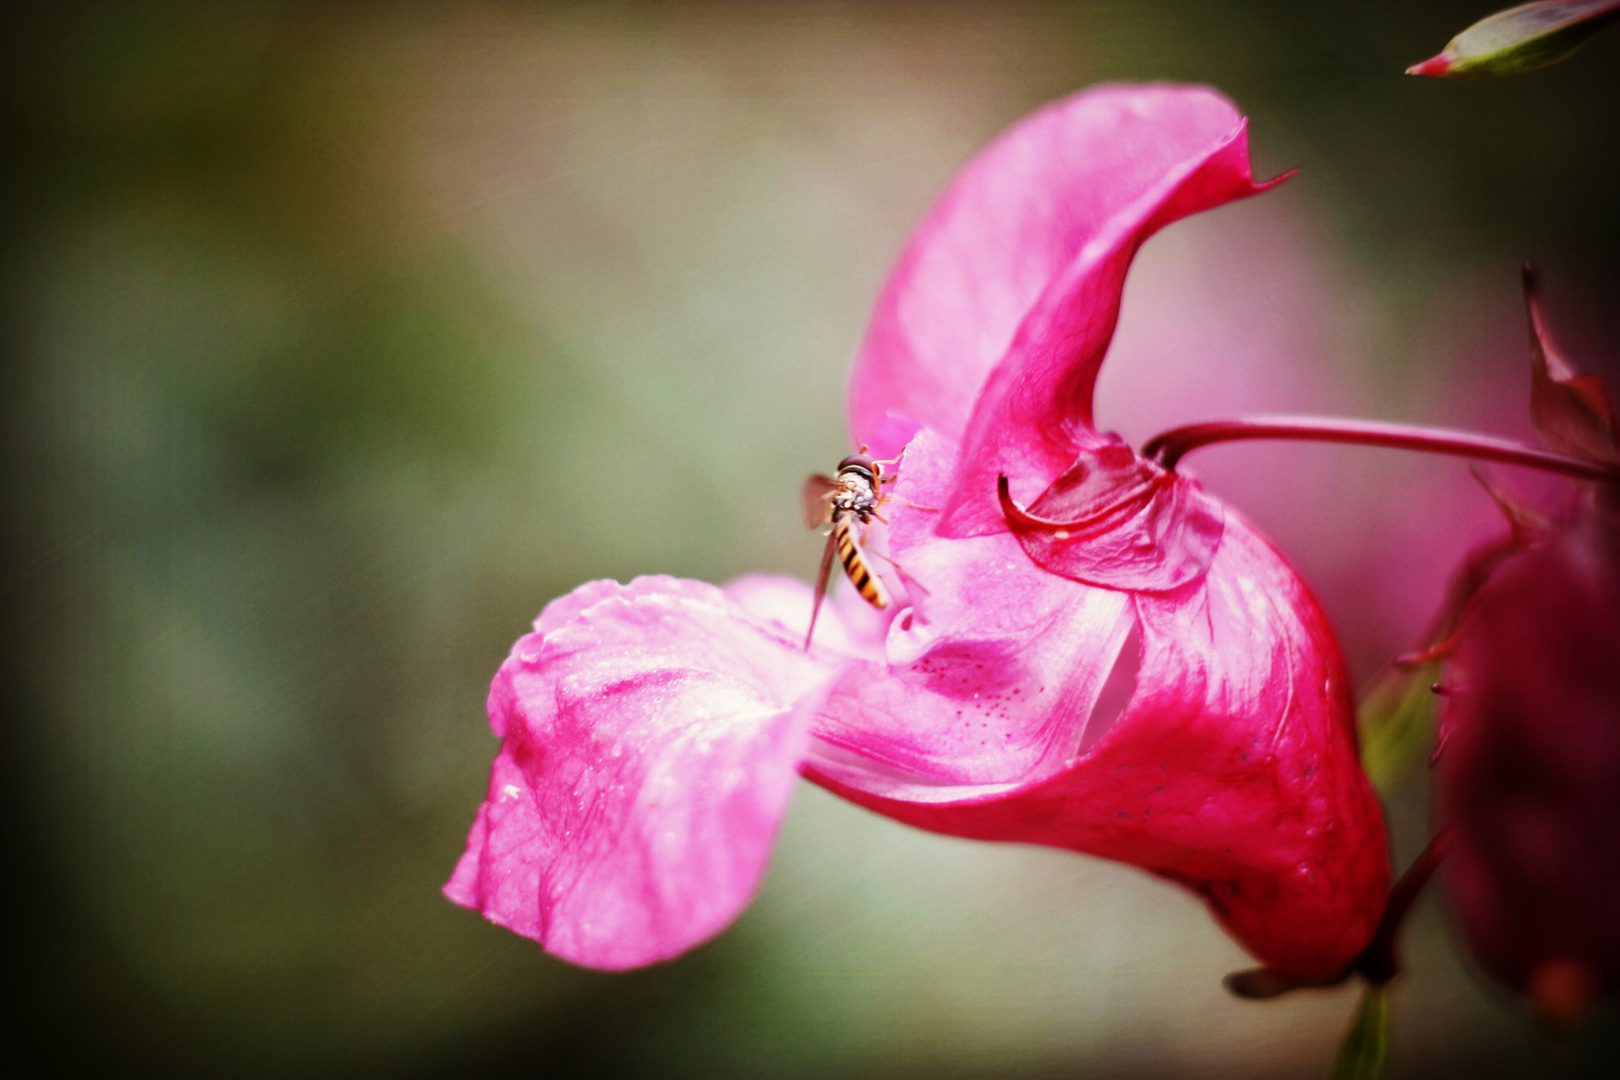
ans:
(1168, 447)
(1379, 962)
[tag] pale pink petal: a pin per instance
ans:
(926, 470)
(586, 596)
(1064, 190)
(847, 624)
(653, 739)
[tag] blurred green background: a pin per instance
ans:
(339, 338)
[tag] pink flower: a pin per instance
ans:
(1086, 651)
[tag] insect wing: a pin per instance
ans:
(821, 586)
(818, 492)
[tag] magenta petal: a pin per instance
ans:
(990, 675)
(1033, 416)
(653, 738)
(499, 873)
(1068, 187)
(1117, 520)
(1232, 770)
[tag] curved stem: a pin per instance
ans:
(1380, 961)
(1168, 447)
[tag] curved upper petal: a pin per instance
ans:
(653, 733)
(1025, 244)
(1033, 415)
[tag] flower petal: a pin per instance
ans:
(1232, 770)
(1033, 416)
(1118, 520)
(1009, 226)
(990, 675)
(847, 625)
(653, 736)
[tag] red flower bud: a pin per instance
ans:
(1530, 774)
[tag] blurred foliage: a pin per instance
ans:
(1364, 1051)
(1396, 719)
(340, 338)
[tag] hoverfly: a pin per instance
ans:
(848, 503)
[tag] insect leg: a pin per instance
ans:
(904, 574)
(915, 506)
(898, 568)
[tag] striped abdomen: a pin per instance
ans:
(854, 561)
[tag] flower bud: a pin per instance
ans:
(1520, 39)
(1530, 773)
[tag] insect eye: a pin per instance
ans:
(857, 461)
